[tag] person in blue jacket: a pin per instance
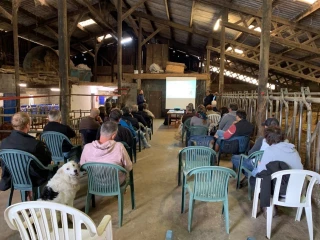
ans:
(140, 98)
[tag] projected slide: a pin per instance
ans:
(180, 91)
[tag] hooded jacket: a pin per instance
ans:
(109, 152)
(282, 151)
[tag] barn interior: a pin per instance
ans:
(75, 55)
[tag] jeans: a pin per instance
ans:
(220, 136)
(247, 163)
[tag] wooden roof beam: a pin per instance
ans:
(308, 12)
(132, 9)
(191, 21)
(168, 16)
(5, 13)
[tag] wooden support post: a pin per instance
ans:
(15, 8)
(119, 48)
(264, 64)
(208, 82)
(63, 60)
(96, 50)
(139, 52)
(222, 53)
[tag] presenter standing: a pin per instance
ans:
(140, 98)
(208, 99)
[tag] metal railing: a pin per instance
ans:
(295, 112)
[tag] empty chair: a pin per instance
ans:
(234, 145)
(200, 140)
(194, 156)
(103, 180)
(196, 131)
(208, 184)
(40, 220)
(18, 163)
(298, 194)
(256, 157)
(185, 128)
(54, 142)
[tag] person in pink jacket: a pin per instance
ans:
(106, 150)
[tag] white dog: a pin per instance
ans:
(62, 188)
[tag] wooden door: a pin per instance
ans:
(154, 101)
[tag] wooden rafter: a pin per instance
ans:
(151, 36)
(191, 21)
(309, 11)
(132, 9)
(5, 13)
(169, 19)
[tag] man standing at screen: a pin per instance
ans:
(140, 98)
(209, 98)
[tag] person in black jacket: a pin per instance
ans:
(208, 99)
(20, 139)
(55, 125)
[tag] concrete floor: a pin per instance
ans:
(158, 201)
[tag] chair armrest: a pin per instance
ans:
(104, 224)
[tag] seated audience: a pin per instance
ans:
(278, 150)
(228, 119)
(127, 120)
(200, 119)
(189, 114)
(92, 121)
(209, 109)
(214, 105)
(55, 125)
(123, 134)
(106, 150)
(113, 106)
(224, 111)
(259, 145)
(240, 127)
(138, 116)
(145, 109)
(191, 107)
(20, 139)
(107, 106)
(145, 115)
(209, 98)
(102, 114)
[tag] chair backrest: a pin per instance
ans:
(40, 220)
(103, 178)
(88, 135)
(214, 118)
(235, 145)
(18, 164)
(203, 140)
(197, 156)
(211, 183)
(256, 156)
(54, 141)
(300, 184)
(129, 149)
(198, 130)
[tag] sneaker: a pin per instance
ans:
(147, 146)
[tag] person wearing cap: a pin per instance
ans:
(259, 145)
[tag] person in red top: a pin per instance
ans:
(240, 127)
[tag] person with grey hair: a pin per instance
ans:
(20, 139)
(107, 150)
(92, 122)
(55, 125)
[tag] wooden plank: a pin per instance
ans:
(63, 61)
(132, 9)
(119, 48)
(264, 64)
(163, 76)
(15, 8)
(307, 13)
(139, 52)
(152, 35)
(222, 53)
(5, 13)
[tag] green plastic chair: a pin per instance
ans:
(185, 128)
(196, 131)
(54, 141)
(18, 163)
(208, 184)
(103, 180)
(192, 157)
(255, 155)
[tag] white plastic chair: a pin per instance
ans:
(214, 120)
(40, 220)
(298, 195)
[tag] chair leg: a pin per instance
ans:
(218, 163)
(299, 213)
(309, 221)
(190, 215)
(269, 219)
(23, 196)
(239, 176)
(183, 194)
(120, 210)
(87, 203)
(133, 201)
(226, 214)
(179, 174)
(255, 197)
(10, 196)
(93, 198)
(249, 189)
